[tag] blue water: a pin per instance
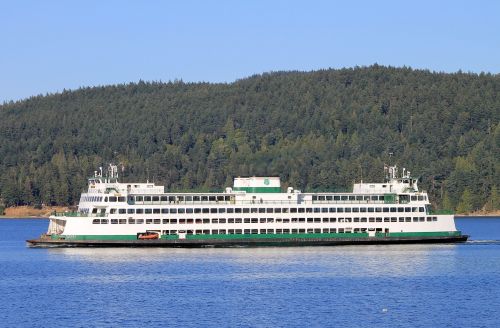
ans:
(349, 286)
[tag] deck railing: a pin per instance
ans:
(78, 214)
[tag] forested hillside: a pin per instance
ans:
(319, 130)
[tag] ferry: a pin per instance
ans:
(255, 211)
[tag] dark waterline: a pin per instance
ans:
(352, 286)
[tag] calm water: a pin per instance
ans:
(350, 286)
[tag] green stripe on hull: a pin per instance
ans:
(261, 190)
(264, 236)
(421, 234)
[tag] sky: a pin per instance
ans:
(48, 46)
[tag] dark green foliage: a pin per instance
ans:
(318, 130)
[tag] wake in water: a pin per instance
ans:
(483, 242)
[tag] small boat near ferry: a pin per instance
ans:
(253, 212)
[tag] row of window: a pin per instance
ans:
(266, 231)
(361, 198)
(245, 210)
(261, 220)
(226, 198)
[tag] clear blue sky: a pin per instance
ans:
(47, 46)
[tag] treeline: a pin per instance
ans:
(319, 130)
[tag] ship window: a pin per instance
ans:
(139, 221)
(356, 219)
(420, 198)
(332, 210)
(156, 198)
(222, 220)
(246, 220)
(230, 220)
(362, 209)
(324, 210)
(277, 210)
(205, 210)
(378, 220)
(429, 219)
(434, 218)
(96, 221)
(407, 209)
(387, 220)
(189, 210)
(122, 211)
(121, 199)
(355, 209)
(112, 199)
(378, 209)
(413, 198)
(262, 210)
(340, 210)
(156, 211)
(238, 220)
(104, 221)
(148, 221)
(333, 219)
(196, 198)
(359, 197)
(246, 210)
(329, 198)
(156, 221)
(237, 210)
(371, 219)
(171, 199)
(112, 211)
(254, 220)
(386, 209)
(347, 210)
(131, 221)
(181, 221)
(326, 220)
(122, 221)
(165, 221)
(198, 221)
(114, 221)
(173, 221)
(401, 209)
(352, 198)
(363, 220)
(164, 211)
(336, 197)
(253, 210)
(197, 210)
(148, 211)
(310, 220)
(269, 210)
(421, 219)
(314, 197)
(371, 209)
(407, 219)
(301, 210)
(138, 198)
(164, 198)
(139, 211)
(317, 210)
(222, 210)
(285, 210)
(374, 197)
(238, 231)
(421, 209)
(230, 210)
(317, 219)
(147, 198)
(215, 220)
(401, 219)
(213, 210)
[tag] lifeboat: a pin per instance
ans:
(148, 236)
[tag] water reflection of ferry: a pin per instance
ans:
(254, 212)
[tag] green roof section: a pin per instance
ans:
(259, 190)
